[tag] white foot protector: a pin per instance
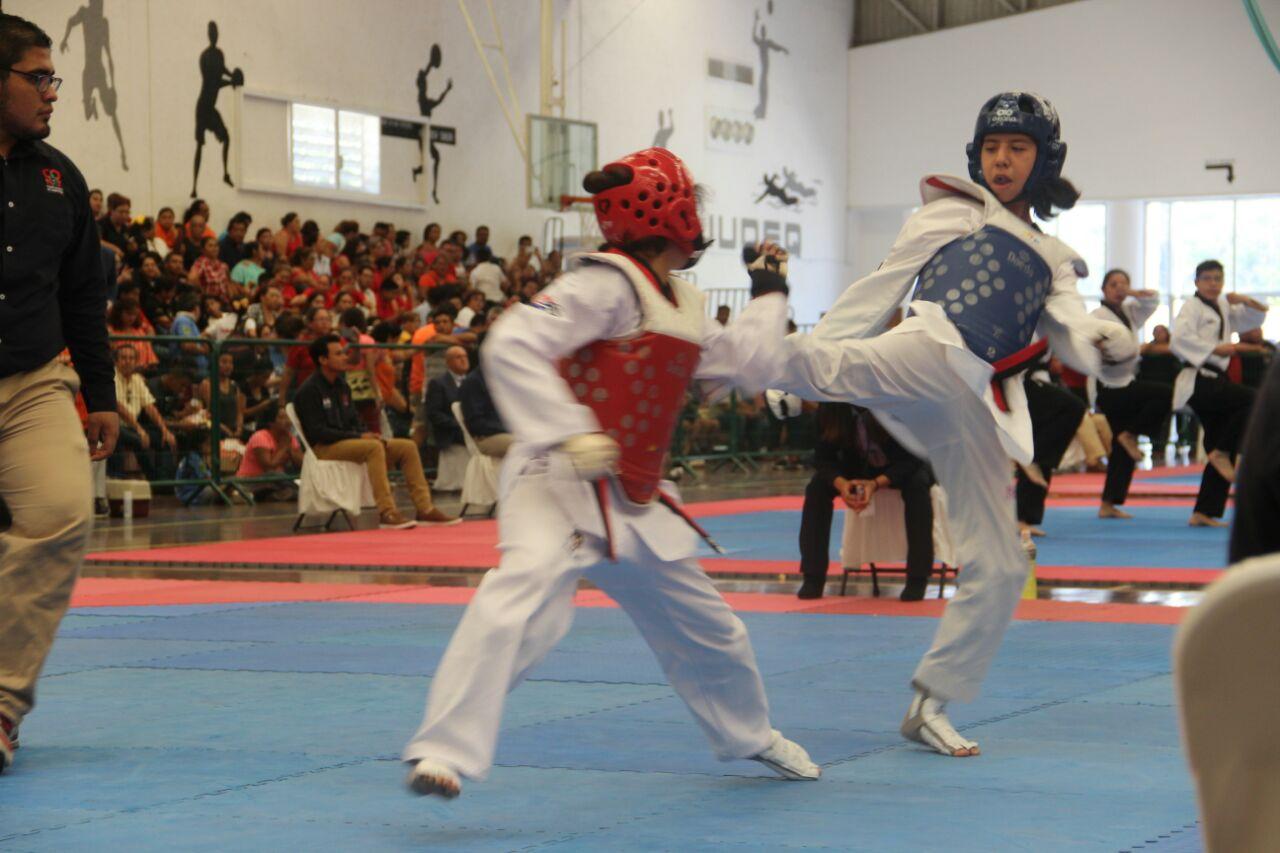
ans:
(788, 759)
(926, 722)
(431, 778)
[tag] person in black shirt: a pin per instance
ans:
(115, 225)
(481, 416)
(333, 428)
(52, 296)
(854, 457)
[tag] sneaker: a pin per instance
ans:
(435, 518)
(393, 520)
(432, 779)
(789, 760)
(8, 742)
(812, 588)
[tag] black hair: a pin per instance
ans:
(310, 233)
(188, 302)
(310, 316)
(17, 36)
(1208, 266)
(1052, 195)
(319, 348)
(240, 217)
(289, 326)
(353, 318)
(427, 229)
(384, 331)
(1115, 271)
(444, 308)
(287, 218)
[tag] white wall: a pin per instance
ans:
(627, 60)
(1148, 90)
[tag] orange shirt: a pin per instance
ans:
(418, 368)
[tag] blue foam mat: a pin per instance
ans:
(278, 725)
(1077, 537)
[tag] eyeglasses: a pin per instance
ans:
(43, 82)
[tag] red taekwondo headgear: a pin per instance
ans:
(647, 194)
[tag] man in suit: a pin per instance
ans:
(854, 457)
(442, 393)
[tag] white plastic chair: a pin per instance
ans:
(878, 535)
(480, 482)
(328, 485)
(1228, 684)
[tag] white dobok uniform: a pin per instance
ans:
(552, 529)
(1196, 331)
(1138, 310)
(934, 394)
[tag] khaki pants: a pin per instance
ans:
(374, 455)
(45, 480)
(1094, 435)
(495, 445)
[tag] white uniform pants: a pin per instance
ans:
(525, 606)
(906, 375)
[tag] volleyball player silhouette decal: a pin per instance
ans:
(214, 75)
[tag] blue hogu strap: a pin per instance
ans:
(992, 286)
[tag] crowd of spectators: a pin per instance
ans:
(176, 285)
(411, 310)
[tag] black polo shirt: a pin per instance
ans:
(53, 292)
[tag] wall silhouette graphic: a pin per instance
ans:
(214, 76)
(97, 79)
(427, 105)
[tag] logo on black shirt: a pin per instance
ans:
(52, 180)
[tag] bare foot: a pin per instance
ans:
(1199, 519)
(1031, 529)
(1221, 463)
(1112, 511)
(1129, 442)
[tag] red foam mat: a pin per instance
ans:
(129, 592)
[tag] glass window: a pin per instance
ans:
(1257, 260)
(313, 151)
(1199, 231)
(335, 149)
(1084, 228)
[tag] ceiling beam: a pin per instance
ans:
(902, 10)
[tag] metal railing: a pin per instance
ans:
(740, 433)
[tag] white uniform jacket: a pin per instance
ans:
(954, 208)
(1197, 330)
(1138, 310)
(595, 302)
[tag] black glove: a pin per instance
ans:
(768, 281)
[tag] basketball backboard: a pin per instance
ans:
(561, 153)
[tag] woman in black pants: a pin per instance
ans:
(854, 457)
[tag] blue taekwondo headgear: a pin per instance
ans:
(1020, 112)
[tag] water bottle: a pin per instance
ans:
(1029, 589)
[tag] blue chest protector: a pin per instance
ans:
(993, 287)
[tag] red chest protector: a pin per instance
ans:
(636, 385)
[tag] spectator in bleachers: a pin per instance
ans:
(440, 274)
(231, 248)
(149, 240)
(229, 413)
(210, 274)
(133, 399)
(260, 402)
(385, 373)
(148, 273)
(184, 415)
(261, 315)
(442, 393)
(333, 429)
(250, 269)
(125, 318)
(186, 324)
(473, 304)
(353, 329)
(193, 237)
(393, 300)
(266, 239)
(722, 315)
(95, 205)
(488, 278)
(479, 250)
(299, 364)
(429, 247)
(289, 238)
(160, 306)
(166, 230)
(175, 266)
(481, 416)
(114, 225)
(272, 449)
(216, 321)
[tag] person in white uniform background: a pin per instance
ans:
(1201, 337)
(590, 378)
(946, 382)
(1134, 408)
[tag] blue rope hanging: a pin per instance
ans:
(1263, 31)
